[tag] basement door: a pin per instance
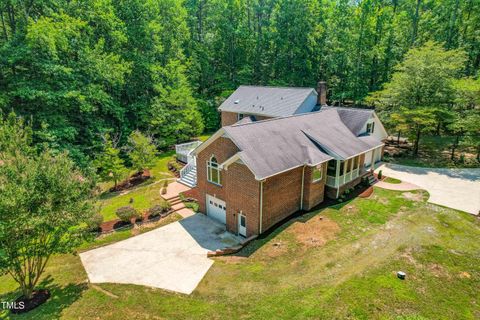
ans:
(242, 225)
(216, 209)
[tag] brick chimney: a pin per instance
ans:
(322, 93)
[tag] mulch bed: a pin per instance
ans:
(132, 181)
(367, 193)
(23, 305)
(112, 225)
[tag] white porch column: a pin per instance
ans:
(344, 170)
(337, 174)
(372, 163)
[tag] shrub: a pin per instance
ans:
(127, 213)
(95, 222)
(159, 209)
(380, 175)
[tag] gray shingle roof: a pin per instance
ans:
(269, 101)
(353, 118)
(273, 146)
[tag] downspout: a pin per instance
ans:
(261, 206)
(337, 176)
(301, 194)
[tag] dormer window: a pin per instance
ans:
(370, 127)
(213, 171)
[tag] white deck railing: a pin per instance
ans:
(341, 180)
(183, 150)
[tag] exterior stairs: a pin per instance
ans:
(371, 178)
(176, 203)
(188, 175)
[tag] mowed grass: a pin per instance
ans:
(334, 263)
(141, 197)
(392, 180)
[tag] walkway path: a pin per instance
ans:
(454, 188)
(402, 186)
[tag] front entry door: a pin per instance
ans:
(242, 225)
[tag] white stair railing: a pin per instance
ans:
(188, 167)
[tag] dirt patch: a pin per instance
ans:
(350, 209)
(276, 249)
(465, 275)
(412, 196)
(315, 232)
(438, 271)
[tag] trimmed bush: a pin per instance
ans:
(95, 222)
(127, 213)
(380, 175)
(159, 209)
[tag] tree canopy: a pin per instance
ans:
(82, 69)
(44, 205)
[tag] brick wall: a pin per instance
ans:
(281, 196)
(229, 118)
(222, 148)
(313, 192)
(243, 194)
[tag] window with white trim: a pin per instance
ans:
(213, 171)
(317, 173)
(370, 127)
(241, 116)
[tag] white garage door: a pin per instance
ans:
(216, 209)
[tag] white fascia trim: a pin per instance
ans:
(209, 141)
(229, 161)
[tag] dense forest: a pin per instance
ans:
(82, 69)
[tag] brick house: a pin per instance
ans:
(253, 173)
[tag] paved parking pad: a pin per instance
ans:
(454, 188)
(173, 257)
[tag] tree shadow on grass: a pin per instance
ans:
(61, 297)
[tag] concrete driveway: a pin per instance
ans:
(173, 257)
(454, 188)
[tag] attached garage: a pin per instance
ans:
(216, 209)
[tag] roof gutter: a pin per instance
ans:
(283, 171)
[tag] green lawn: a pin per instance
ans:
(338, 262)
(144, 196)
(392, 180)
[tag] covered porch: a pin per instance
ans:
(343, 171)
